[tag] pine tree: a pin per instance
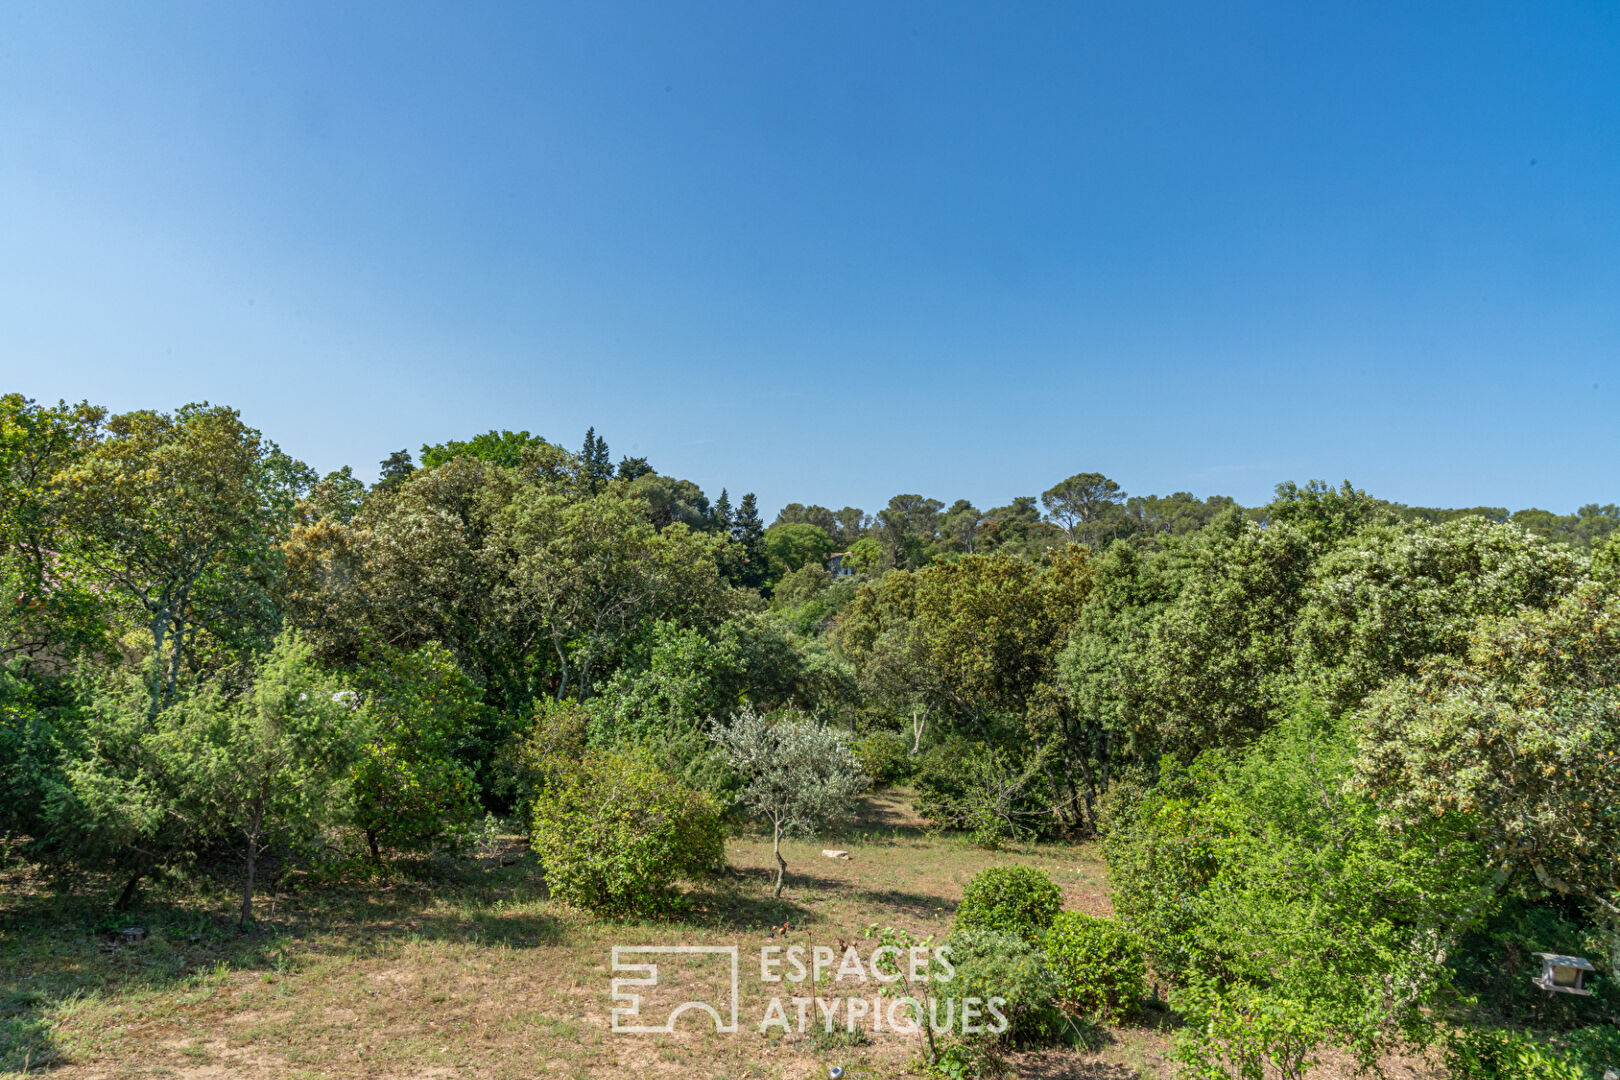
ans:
(722, 512)
(632, 467)
(749, 532)
(395, 468)
(595, 463)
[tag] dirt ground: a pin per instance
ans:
(478, 974)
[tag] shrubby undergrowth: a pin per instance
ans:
(1351, 762)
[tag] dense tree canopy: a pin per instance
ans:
(1331, 743)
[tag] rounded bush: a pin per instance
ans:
(884, 756)
(990, 964)
(1010, 900)
(615, 833)
(1098, 963)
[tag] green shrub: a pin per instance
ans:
(616, 832)
(990, 964)
(1497, 961)
(884, 756)
(410, 790)
(1502, 1054)
(1164, 847)
(1238, 1030)
(1098, 964)
(1010, 900)
(1594, 1049)
(1491, 1054)
(554, 741)
(982, 790)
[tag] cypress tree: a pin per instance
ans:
(595, 463)
(749, 532)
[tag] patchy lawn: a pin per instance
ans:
(478, 974)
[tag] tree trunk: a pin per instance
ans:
(254, 826)
(132, 888)
(247, 888)
(562, 668)
(781, 863)
(173, 677)
(371, 838)
(160, 632)
(919, 721)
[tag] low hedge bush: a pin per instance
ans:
(1098, 963)
(1010, 900)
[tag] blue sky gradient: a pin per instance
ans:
(833, 252)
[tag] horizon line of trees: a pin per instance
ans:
(1351, 761)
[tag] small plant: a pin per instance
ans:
(1010, 900)
(615, 833)
(884, 756)
(896, 980)
(1098, 964)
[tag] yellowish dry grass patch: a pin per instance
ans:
(478, 974)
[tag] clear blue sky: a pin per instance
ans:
(833, 252)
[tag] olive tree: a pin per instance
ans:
(797, 775)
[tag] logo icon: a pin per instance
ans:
(630, 1002)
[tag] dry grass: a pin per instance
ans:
(478, 974)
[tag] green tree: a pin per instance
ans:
(337, 497)
(182, 515)
(1216, 667)
(1017, 529)
(1521, 740)
(722, 514)
(797, 776)
(1082, 503)
(633, 468)
(595, 463)
(669, 501)
(960, 529)
(409, 787)
(1101, 719)
(1277, 900)
(789, 547)
(1154, 516)
(272, 766)
(852, 525)
(749, 533)
(1378, 608)
(504, 448)
(393, 470)
(908, 526)
(800, 514)
(47, 613)
(596, 571)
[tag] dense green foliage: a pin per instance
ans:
(1016, 900)
(1352, 762)
(883, 756)
(1099, 965)
(615, 833)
